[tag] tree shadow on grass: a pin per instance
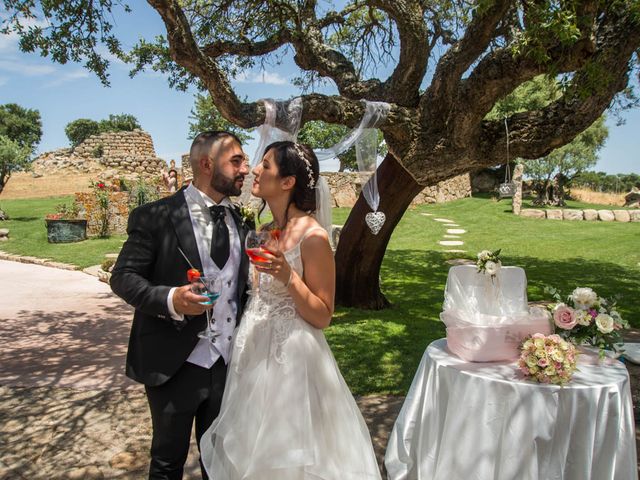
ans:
(25, 219)
(379, 351)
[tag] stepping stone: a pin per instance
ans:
(455, 251)
(451, 236)
(427, 214)
(456, 230)
(451, 243)
(443, 220)
(93, 270)
(451, 225)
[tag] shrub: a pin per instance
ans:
(65, 211)
(79, 130)
(107, 264)
(119, 123)
(142, 192)
(101, 192)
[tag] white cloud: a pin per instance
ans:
(9, 42)
(13, 65)
(268, 78)
(68, 77)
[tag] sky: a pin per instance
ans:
(63, 93)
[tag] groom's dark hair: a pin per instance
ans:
(203, 143)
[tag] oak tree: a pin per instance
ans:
(450, 60)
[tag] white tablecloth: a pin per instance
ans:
(481, 421)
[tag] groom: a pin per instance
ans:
(184, 375)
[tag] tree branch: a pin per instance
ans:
(403, 86)
(185, 52)
(248, 48)
(463, 53)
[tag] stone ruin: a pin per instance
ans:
(110, 155)
(632, 199)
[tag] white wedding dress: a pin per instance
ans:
(287, 413)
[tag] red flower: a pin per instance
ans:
(192, 274)
(100, 185)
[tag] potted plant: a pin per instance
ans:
(65, 226)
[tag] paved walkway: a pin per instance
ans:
(67, 411)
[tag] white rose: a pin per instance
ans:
(583, 317)
(484, 254)
(492, 267)
(584, 298)
(604, 323)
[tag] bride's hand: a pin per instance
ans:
(275, 265)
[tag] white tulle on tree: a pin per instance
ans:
(364, 137)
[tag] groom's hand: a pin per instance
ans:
(185, 302)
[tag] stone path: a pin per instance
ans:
(452, 237)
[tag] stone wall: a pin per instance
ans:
(118, 212)
(187, 173)
(63, 159)
(587, 214)
(346, 186)
(125, 152)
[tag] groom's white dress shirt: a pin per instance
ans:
(206, 352)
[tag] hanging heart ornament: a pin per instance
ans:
(375, 221)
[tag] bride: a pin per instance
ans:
(287, 413)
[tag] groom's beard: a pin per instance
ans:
(226, 185)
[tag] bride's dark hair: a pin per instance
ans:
(299, 161)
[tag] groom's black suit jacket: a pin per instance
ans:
(147, 267)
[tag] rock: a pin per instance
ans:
(632, 199)
(572, 214)
(516, 201)
(104, 276)
(590, 215)
(4, 232)
(3, 215)
(532, 213)
(621, 215)
(606, 215)
(635, 215)
(554, 214)
(128, 461)
(85, 473)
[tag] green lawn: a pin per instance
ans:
(379, 351)
(28, 234)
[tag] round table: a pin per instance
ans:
(484, 421)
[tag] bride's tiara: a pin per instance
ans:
(307, 164)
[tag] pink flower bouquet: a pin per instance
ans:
(586, 318)
(547, 359)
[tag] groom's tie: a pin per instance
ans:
(220, 239)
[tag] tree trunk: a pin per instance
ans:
(360, 253)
